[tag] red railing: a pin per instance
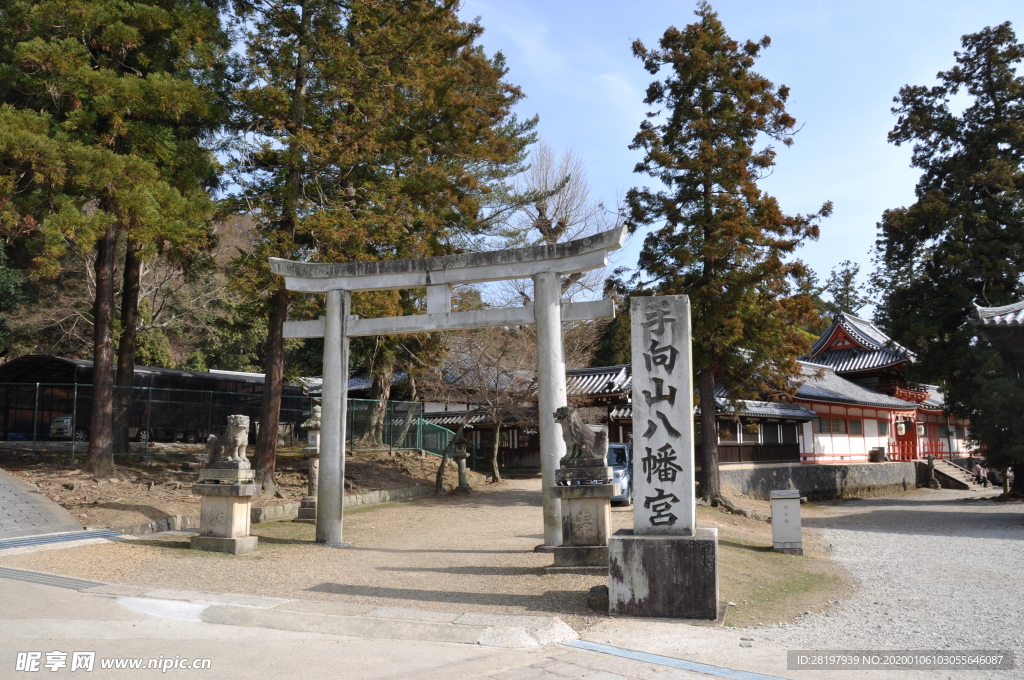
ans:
(920, 450)
(902, 451)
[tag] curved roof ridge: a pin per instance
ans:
(986, 312)
(872, 335)
(1011, 316)
(863, 331)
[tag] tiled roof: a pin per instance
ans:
(853, 360)
(861, 330)
(821, 383)
(1007, 316)
(771, 409)
(602, 380)
(876, 349)
(755, 409)
(356, 383)
(935, 398)
(455, 418)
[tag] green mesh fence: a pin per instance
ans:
(434, 438)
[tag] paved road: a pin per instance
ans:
(41, 618)
(26, 512)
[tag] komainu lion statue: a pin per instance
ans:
(230, 445)
(580, 440)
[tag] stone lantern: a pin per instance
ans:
(307, 508)
(459, 456)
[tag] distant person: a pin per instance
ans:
(979, 475)
(995, 477)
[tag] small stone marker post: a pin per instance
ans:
(786, 533)
(226, 487)
(665, 566)
(307, 507)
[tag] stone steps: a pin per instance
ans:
(959, 474)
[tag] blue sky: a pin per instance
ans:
(844, 62)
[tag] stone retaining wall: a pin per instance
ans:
(275, 513)
(818, 482)
(172, 523)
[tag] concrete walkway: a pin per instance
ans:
(47, 619)
(26, 512)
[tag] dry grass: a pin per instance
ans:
(142, 493)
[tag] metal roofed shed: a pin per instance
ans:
(51, 398)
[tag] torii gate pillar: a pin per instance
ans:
(331, 486)
(551, 394)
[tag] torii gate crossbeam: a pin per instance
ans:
(544, 264)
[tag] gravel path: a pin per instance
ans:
(936, 570)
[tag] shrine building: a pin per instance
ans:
(854, 404)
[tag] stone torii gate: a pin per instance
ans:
(543, 263)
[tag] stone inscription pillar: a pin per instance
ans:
(550, 395)
(663, 456)
(664, 566)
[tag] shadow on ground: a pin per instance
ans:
(551, 602)
(471, 570)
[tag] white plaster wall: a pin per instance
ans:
(840, 444)
(823, 443)
(871, 438)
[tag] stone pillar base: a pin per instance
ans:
(581, 556)
(307, 511)
(672, 577)
(235, 546)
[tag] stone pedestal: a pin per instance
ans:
(586, 518)
(664, 576)
(224, 517)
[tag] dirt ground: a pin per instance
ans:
(455, 553)
(150, 489)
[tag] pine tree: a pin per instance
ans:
(120, 87)
(962, 241)
(718, 238)
(369, 129)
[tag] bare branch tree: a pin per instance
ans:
(565, 211)
(493, 370)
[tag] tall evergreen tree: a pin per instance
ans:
(111, 79)
(718, 238)
(371, 130)
(845, 294)
(962, 241)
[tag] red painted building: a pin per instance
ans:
(853, 398)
